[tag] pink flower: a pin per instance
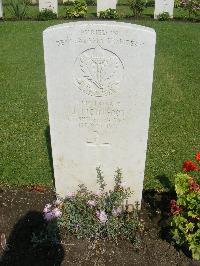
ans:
(122, 184)
(91, 203)
(102, 216)
(47, 208)
(70, 195)
(116, 212)
(48, 216)
(97, 193)
(56, 212)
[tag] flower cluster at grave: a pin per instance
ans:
(185, 211)
(96, 214)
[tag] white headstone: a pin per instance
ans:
(103, 5)
(49, 4)
(99, 81)
(1, 9)
(162, 6)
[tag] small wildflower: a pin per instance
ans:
(122, 184)
(197, 156)
(174, 208)
(56, 212)
(91, 203)
(116, 212)
(47, 208)
(102, 216)
(70, 195)
(97, 193)
(48, 216)
(189, 166)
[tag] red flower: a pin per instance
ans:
(193, 186)
(197, 156)
(189, 166)
(174, 208)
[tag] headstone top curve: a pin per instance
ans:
(103, 23)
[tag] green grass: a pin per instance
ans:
(174, 123)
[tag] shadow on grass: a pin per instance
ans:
(20, 251)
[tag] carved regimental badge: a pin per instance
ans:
(98, 72)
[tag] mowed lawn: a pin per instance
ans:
(175, 112)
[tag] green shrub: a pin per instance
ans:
(150, 3)
(18, 8)
(109, 14)
(177, 3)
(68, 3)
(90, 2)
(163, 16)
(94, 215)
(191, 6)
(185, 212)
(78, 10)
(46, 14)
(137, 6)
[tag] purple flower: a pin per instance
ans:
(47, 208)
(97, 193)
(102, 216)
(116, 212)
(91, 203)
(48, 216)
(70, 195)
(56, 212)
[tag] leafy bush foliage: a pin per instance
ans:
(163, 16)
(90, 2)
(185, 212)
(192, 6)
(94, 215)
(68, 3)
(46, 14)
(18, 8)
(150, 3)
(109, 14)
(177, 3)
(137, 6)
(78, 10)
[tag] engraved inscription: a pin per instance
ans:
(99, 115)
(98, 72)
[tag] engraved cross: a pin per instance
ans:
(96, 142)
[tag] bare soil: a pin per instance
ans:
(21, 216)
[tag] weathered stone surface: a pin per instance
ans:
(103, 5)
(162, 6)
(99, 81)
(49, 4)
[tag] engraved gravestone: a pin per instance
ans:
(162, 6)
(99, 80)
(49, 4)
(1, 9)
(103, 5)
